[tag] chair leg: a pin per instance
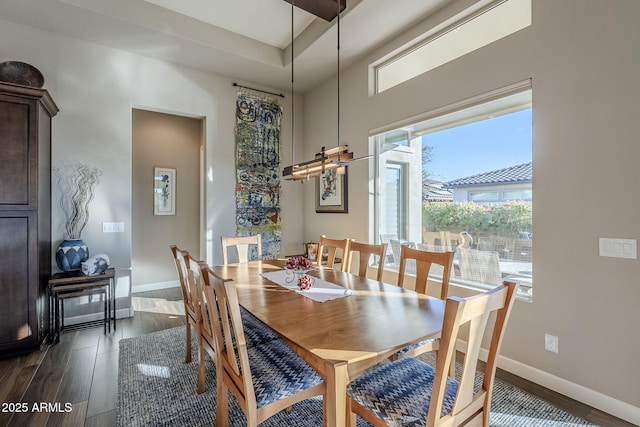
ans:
(350, 416)
(201, 370)
(187, 354)
(222, 404)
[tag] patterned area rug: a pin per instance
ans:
(156, 388)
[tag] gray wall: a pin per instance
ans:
(583, 57)
(96, 88)
(171, 141)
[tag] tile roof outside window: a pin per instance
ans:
(512, 175)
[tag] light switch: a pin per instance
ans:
(113, 227)
(618, 248)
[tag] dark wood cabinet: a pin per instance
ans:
(25, 216)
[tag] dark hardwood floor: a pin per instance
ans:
(77, 379)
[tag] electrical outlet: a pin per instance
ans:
(551, 343)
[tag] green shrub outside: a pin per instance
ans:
(506, 220)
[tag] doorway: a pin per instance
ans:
(172, 142)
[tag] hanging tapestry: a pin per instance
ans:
(258, 171)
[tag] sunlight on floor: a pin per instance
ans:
(154, 371)
(158, 305)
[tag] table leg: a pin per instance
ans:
(57, 303)
(113, 281)
(108, 304)
(112, 302)
(51, 324)
(54, 312)
(335, 408)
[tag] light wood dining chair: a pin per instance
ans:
(242, 247)
(196, 285)
(365, 251)
(255, 331)
(423, 261)
(380, 395)
(181, 257)
(264, 379)
(332, 247)
(198, 279)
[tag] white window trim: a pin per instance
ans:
(512, 102)
(519, 10)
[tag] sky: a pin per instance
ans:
(480, 147)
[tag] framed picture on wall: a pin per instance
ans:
(164, 191)
(331, 192)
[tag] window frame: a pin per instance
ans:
(499, 99)
(415, 58)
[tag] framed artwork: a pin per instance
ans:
(331, 192)
(164, 191)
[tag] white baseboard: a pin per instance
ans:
(575, 391)
(593, 398)
(155, 286)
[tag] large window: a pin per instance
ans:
(465, 171)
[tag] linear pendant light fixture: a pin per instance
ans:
(327, 159)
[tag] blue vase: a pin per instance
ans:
(71, 254)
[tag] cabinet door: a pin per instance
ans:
(16, 154)
(17, 307)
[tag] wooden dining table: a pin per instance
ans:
(343, 337)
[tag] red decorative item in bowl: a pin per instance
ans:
(299, 266)
(298, 263)
(305, 282)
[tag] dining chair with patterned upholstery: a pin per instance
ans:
(195, 283)
(332, 247)
(256, 332)
(365, 251)
(180, 258)
(422, 262)
(264, 379)
(242, 246)
(410, 389)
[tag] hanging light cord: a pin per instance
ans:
(293, 96)
(338, 2)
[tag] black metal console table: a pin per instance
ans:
(76, 284)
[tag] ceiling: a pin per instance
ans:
(248, 40)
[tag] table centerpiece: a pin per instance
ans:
(298, 267)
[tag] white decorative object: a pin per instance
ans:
(76, 184)
(95, 265)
